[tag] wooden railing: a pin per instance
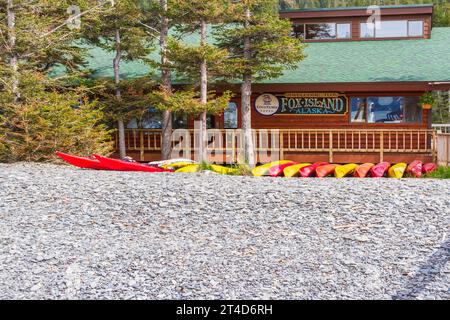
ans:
(441, 128)
(283, 141)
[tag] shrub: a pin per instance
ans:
(440, 173)
(34, 130)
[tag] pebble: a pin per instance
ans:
(67, 233)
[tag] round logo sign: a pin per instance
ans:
(267, 104)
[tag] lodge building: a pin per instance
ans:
(355, 97)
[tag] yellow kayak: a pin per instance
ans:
(292, 171)
(221, 169)
(264, 169)
(397, 170)
(345, 170)
(189, 168)
(176, 165)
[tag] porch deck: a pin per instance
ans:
(306, 145)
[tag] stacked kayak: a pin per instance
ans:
(282, 168)
(363, 170)
(325, 170)
(379, 170)
(119, 165)
(81, 162)
(293, 170)
(310, 170)
(263, 170)
(397, 170)
(345, 170)
(415, 169)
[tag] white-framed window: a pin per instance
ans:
(322, 31)
(392, 29)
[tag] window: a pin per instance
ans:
(322, 31)
(343, 31)
(392, 29)
(230, 116)
(298, 31)
(386, 110)
(179, 121)
(152, 119)
(415, 28)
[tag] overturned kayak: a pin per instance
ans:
(345, 170)
(263, 170)
(415, 169)
(429, 167)
(292, 170)
(176, 165)
(221, 169)
(189, 169)
(397, 170)
(308, 171)
(81, 162)
(277, 171)
(379, 170)
(119, 165)
(363, 170)
(326, 170)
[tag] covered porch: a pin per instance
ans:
(302, 145)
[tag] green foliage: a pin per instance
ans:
(51, 122)
(440, 173)
(441, 108)
(186, 60)
(272, 49)
(427, 98)
(188, 102)
(240, 170)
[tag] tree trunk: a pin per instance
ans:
(11, 18)
(166, 147)
(203, 97)
(118, 93)
(246, 93)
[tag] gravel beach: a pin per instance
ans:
(67, 233)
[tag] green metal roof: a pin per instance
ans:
(346, 61)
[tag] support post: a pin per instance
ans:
(381, 146)
(141, 146)
(330, 156)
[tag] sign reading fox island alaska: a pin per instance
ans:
(302, 104)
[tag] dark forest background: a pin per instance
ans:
(441, 14)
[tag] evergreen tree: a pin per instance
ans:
(119, 31)
(260, 47)
(200, 63)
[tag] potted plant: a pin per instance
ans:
(427, 100)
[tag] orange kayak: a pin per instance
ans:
(415, 169)
(308, 171)
(379, 170)
(363, 170)
(326, 170)
(429, 167)
(277, 170)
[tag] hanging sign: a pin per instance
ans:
(302, 104)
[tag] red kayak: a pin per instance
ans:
(415, 169)
(429, 167)
(363, 170)
(379, 170)
(119, 165)
(309, 170)
(325, 170)
(277, 171)
(81, 162)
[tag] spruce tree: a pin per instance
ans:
(260, 47)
